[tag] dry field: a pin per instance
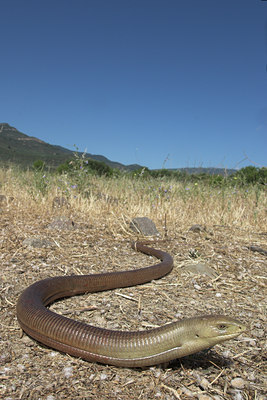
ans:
(99, 241)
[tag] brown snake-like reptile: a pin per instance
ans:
(129, 349)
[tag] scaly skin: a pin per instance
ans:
(127, 349)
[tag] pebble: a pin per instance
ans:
(62, 223)
(37, 241)
(238, 396)
(238, 383)
(157, 373)
(260, 333)
(21, 367)
(27, 340)
(252, 343)
(68, 372)
(5, 370)
(200, 269)
(197, 228)
(204, 397)
(227, 353)
(204, 383)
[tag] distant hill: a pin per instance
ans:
(21, 149)
(210, 171)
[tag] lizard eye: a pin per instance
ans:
(222, 327)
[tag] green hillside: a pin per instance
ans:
(23, 150)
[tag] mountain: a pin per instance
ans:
(23, 150)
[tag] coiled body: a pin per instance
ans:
(129, 349)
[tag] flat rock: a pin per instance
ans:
(62, 223)
(238, 383)
(144, 225)
(200, 269)
(38, 242)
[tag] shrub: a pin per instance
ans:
(38, 165)
(75, 165)
(251, 175)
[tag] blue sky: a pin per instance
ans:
(173, 83)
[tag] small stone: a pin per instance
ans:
(259, 333)
(227, 354)
(5, 358)
(38, 242)
(252, 343)
(62, 222)
(157, 373)
(251, 376)
(238, 383)
(27, 340)
(5, 370)
(200, 268)
(68, 372)
(103, 377)
(21, 367)
(204, 383)
(204, 397)
(144, 225)
(237, 395)
(197, 228)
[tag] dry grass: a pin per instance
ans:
(100, 242)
